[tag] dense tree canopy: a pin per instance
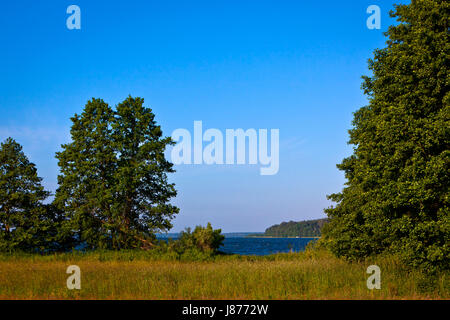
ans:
(25, 222)
(113, 185)
(397, 193)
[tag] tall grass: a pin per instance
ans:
(313, 274)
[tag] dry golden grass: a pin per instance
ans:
(285, 276)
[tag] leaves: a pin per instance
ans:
(113, 183)
(25, 222)
(397, 188)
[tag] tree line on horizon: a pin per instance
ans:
(308, 228)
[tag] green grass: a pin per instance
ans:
(142, 275)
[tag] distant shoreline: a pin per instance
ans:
(278, 237)
(239, 235)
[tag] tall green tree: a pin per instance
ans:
(397, 194)
(113, 184)
(141, 184)
(25, 222)
(87, 167)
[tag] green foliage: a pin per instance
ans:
(397, 193)
(113, 184)
(25, 222)
(310, 228)
(205, 239)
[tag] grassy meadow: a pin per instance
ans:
(313, 274)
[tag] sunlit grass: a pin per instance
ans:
(136, 275)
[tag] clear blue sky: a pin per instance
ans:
(291, 65)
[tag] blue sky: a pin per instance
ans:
(291, 65)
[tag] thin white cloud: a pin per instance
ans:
(36, 138)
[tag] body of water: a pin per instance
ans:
(239, 243)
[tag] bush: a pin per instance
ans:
(205, 239)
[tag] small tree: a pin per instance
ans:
(25, 223)
(207, 238)
(204, 238)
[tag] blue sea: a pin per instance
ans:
(239, 243)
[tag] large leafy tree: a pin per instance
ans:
(142, 192)
(397, 193)
(113, 184)
(25, 222)
(87, 166)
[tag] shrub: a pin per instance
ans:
(205, 239)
